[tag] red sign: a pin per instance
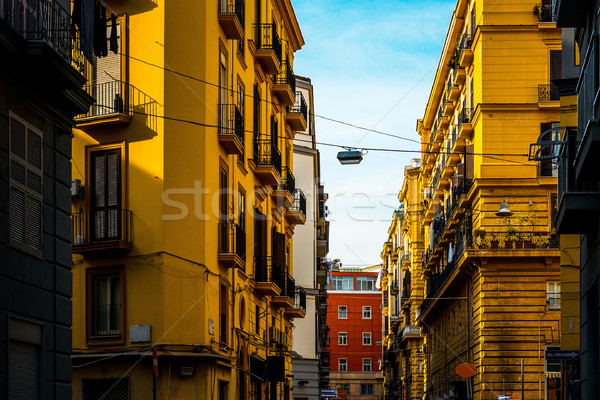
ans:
(466, 370)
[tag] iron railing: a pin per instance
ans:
(299, 105)
(107, 319)
(286, 77)
(231, 121)
(465, 43)
(548, 92)
(266, 38)
(48, 22)
(117, 97)
(267, 153)
(234, 7)
(89, 227)
(300, 205)
(232, 239)
(288, 182)
(464, 117)
(290, 286)
(268, 269)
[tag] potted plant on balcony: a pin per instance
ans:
(510, 237)
(480, 238)
(536, 10)
(494, 241)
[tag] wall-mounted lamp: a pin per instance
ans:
(504, 211)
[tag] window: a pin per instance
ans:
(106, 291)
(223, 313)
(365, 283)
(341, 283)
(366, 365)
(223, 79)
(242, 210)
(366, 338)
(25, 205)
(109, 389)
(256, 110)
(366, 312)
(342, 364)
(25, 358)
(257, 319)
(367, 389)
(553, 295)
(106, 215)
(342, 338)
(342, 312)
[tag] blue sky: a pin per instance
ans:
(372, 64)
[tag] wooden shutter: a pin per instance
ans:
(24, 370)
(106, 192)
(473, 20)
(274, 131)
(555, 64)
(469, 160)
(108, 69)
(256, 112)
(25, 204)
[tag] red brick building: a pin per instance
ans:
(354, 317)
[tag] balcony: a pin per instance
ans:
(443, 120)
(548, 92)
(268, 276)
(231, 129)
(458, 145)
(322, 239)
(284, 85)
(232, 245)
(45, 23)
(577, 202)
(102, 232)
(112, 104)
(268, 48)
(296, 214)
(282, 193)
(448, 106)
(231, 18)
(297, 116)
(452, 90)
(287, 296)
(410, 331)
(459, 77)
(465, 128)
(299, 310)
(465, 54)
(267, 160)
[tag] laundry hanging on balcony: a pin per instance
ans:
(90, 17)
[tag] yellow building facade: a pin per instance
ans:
(184, 204)
(490, 258)
(403, 359)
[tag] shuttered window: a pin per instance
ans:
(25, 341)
(106, 194)
(25, 208)
(106, 79)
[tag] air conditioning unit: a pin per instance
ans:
(76, 188)
(274, 335)
(284, 339)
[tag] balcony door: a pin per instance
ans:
(106, 79)
(105, 215)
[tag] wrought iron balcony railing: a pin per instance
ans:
(232, 239)
(548, 92)
(233, 7)
(300, 205)
(545, 12)
(288, 182)
(101, 226)
(266, 153)
(266, 38)
(286, 77)
(464, 116)
(268, 269)
(465, 42)
(290, 286)
(231, 121)
(48, 22)
(299, 105)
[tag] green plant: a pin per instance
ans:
(480, 233)
(536, 10)
(510, 230)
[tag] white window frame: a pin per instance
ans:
(347, 281)
(365, 280)
(342, 364)
(342, 338)
(366, 312)
(553, 295)
(367, 365)
(367, 339)
(345, 314)
(25, 188)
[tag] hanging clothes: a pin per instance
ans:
(84, 18)
(114, 41)
(100, 39)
